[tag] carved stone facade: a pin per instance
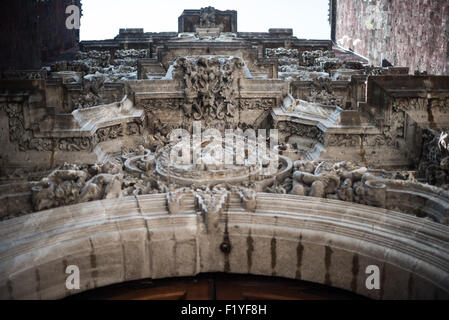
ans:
(211, 86)
(228, 139)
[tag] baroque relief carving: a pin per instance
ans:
(26, 140)
(169, 103)
(341, 181)
(75, 144)
(174, 199)
(441, 105)
(207, 17)
(16, 122)
(261, 103)
(69, 185)
(301, 130)
(392, 134)
(109, 133)
(135, 128)
(211, 85)
(422, 109)
(211, 203)
(377, 140)
(322, 92)
(346, 140)
(410, 104)
(355, 140)
(23, 75)
(324, 97)
(248, 197)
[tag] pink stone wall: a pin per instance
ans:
(408, 33)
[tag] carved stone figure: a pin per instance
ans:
(102, 186)
(60, 188)
(341, 181)
(68, 185)
(345, 192)
(207, 17)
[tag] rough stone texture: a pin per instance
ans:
(294, 237)
(412, 34)
(101, 126)
(208, 17)
(33, 31)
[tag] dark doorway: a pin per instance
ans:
(218, 287)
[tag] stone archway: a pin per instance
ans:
(312, 239)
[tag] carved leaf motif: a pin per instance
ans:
(109, 133)
(263, 104)
(211, 203)
(75, 144)
(311, 132)
(210, 86)
(338, 140)
(151, 104)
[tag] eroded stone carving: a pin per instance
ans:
(341, 181)
(248, 197)
(109, 133)
(153, 104)
(424, 111)
(262, 103)
(211, 86)
(174, 199)
(23, 75)
(322, 92)
(68, 185)
(26, 139)
(75, 144)
(91, 94)
(207, 17)
(434, 163)
(301, 130)
(281, 53)
(211, 203)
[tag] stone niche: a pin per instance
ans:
(208, 17)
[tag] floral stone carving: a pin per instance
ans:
(211, 85)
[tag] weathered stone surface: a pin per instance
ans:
(293, 237)
(34, 31)
(151, 156)
(412, 34)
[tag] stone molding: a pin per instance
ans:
(312, 239)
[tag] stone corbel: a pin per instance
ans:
(211, 203)
(174, 200)
(248, 198)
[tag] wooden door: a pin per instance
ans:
(217, 287)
